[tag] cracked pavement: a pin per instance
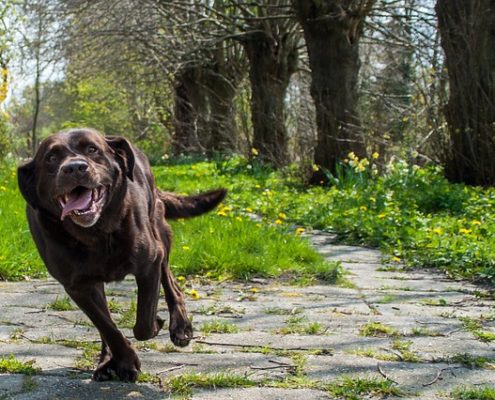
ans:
(425, 312)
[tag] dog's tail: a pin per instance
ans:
(190, 206)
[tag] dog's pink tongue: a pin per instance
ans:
(77, 202)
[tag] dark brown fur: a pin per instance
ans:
(130, 236)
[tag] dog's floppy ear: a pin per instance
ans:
(124, 152)
(27, 183)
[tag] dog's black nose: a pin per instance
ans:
(76, 167)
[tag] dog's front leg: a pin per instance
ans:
(148, 324)
(181, 331)
(123, 360)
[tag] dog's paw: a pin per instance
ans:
(181, 331)
(125, 370)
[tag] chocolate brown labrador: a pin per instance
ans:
(96, 216)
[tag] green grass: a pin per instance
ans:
(18, 255)
(301, 326)
(472, 393)
(217, 246)
(217, 326)
(378, 329)
(63, 304)
(350, 388)
(413, 214)
(471, 361)
(128, 316)
(183, 385)
(13, 366)
(476, 328)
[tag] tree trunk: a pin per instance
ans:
(332, 32)
(221, 81)
(271, 62)
(223, 131)
(188, 100)
(467, 29)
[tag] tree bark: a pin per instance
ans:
(332, 30)
(467, 29)
(188, 105)
(272, 61)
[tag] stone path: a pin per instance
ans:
(416, 332)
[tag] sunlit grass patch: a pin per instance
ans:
(476, 328)
(18, 255)
(13, 366)
(350, 388)
(378, 329)
(62, 304)
(227, 247)
(474, 393)
(218, 326)
(184, 384)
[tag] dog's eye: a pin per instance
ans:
(91, 149)
(51, 158)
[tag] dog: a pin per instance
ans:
(96, 216)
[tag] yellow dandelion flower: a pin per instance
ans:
(257, 186)
(249, 209)
(363, 208)
(278, 222)
(475, 222)
(238, 218)
(222, 213)
(282, 215)
(351, 155)
(315, 168)
(438, 231)
(300, 230)
(194, 294)
(186, 248)
(254, 152)
(396, 259)
(382, 215)
(181, 278)
(375, 155)
(464, 231)
(254, 290)
(3, 188)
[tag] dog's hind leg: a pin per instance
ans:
(148, 324)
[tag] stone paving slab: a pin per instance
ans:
(317, 327)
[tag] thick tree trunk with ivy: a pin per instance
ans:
(272, 61)
(332, 30)
(467, 30)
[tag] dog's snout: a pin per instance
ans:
(75, 167)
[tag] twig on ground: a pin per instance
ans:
(382, 373)
(437, 377)
(171, 369)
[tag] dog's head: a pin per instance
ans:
(75, 174)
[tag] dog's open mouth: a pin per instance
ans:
(83, 205)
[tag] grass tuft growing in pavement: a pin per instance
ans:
(183, 385)
(474, 393)
(349, 388)
(63, 304)
(13, 366)
(217, 326)
(378, 329)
